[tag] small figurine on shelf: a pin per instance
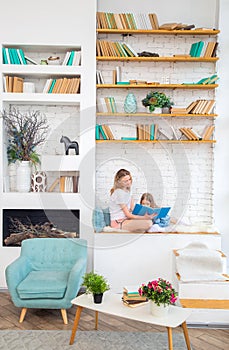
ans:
(68, 144)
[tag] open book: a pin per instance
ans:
(142, 210)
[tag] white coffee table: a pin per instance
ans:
(113, 305)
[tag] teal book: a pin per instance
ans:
(70, 60)
(97, 137)
(52, 86)
(102, 132)
(152, 127)
(128, 138)
(142, 210)
(11, 56)
(15, 56)
(213, 79)
(21, 52)
(123, 83)
(199, 48)
(193, 49)
(5, 60)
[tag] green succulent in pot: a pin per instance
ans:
(155, 99)
(95, 283)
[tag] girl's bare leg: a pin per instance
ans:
(137, 225)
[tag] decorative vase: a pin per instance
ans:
(159, 311)
(166, 110)
(130, 104)
(98, 298)
(157, 110)
(23, 176)
(39, 181)
(12, 171)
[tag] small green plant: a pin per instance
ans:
(95, 283)
(156, 99)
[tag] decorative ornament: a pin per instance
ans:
(39, 181)
(130, 104)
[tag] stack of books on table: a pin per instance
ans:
(132, 298)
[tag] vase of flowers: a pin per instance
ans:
(155, 100)
(161, 293)
(25, 132)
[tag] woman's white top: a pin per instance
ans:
(118, 198)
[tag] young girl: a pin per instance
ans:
(158, 224)
(121, 205)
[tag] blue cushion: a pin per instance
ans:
(43, 284)
(107, 216)
(98, 221)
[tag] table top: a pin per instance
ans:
(112, 304)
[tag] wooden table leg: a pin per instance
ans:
(96, 319)
(75, 324)
(170, 338)
(186, 336)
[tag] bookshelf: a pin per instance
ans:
(38, 74)
(110, 44)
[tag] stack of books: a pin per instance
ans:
(114, 49)
(132, 298)
(147, 131)
(196, 107)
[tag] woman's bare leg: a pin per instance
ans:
(136, 225)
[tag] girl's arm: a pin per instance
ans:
(132, 204)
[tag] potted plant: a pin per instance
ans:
(25, 132)
(161, 293)
(155, 99)
(95, 284)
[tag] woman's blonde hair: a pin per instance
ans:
(148, 197)
(121, 173)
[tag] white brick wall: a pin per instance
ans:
(178, 175)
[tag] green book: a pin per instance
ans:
(123, 83)
(199, 48)
(52, 86)
(193, 49)
(15, 56)
(152, 127)
(97, 135)
(70, 60)
(21, 52)
(102, 132)
(11, 56)
(128, 138)
(5, 60)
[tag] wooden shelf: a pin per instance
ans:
(159, 86)
(159, 32)
(158, 59)
(156, 141)
(155, 115)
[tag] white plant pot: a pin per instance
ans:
(23, 176)
(159, 311)
(157, 110)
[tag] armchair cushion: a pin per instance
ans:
(43, 284)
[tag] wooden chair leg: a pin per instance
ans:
(64, 316)
(22, 316)
(170, 338)
(186, 336)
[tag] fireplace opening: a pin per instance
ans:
(20, 224)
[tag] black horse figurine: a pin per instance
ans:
(69, 144)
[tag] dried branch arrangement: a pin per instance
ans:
(25, 131)
(20, 231)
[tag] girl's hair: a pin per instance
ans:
(149, 197)
(121, 173)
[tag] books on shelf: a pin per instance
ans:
(13, 56)
(108, 20)
(147, 131)
(196, 49)
(72, 58)
(107, 104)
(114, 49)
(99, 77)
(195, 107)
(103, 132)
(13, 84)
(62, 86)
(67, 184)
(193, 135)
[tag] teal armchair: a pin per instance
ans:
(48, 274)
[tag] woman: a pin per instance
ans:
(121, 205)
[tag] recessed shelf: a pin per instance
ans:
(41, 98)
(60, 162)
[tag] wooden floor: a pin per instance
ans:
(201, 338)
